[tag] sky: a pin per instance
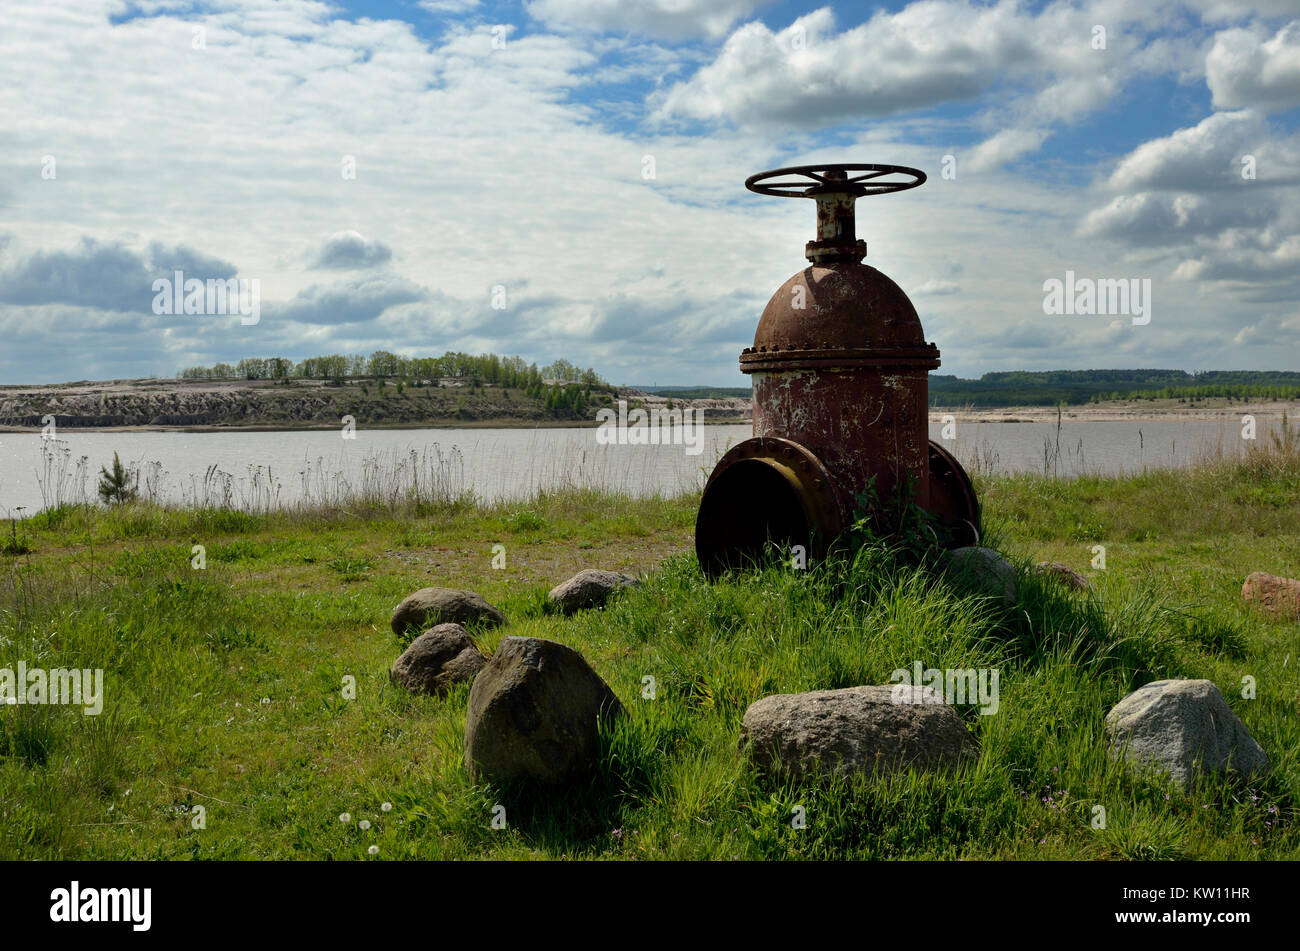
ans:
(565, 178)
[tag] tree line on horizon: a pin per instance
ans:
(1073, 387)
(474, 369)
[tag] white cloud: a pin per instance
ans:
(937, 289)
(1205, 156)
(1186, 193)
(669, 19)
(1004, 147)
(1245, 255)
(1245, 68)
(931, 52)
(347, 250)
(1272, 330)
(450, 6)
(1158, 219)
(1029, 71)
(109, 275)
(1218, 10)
(347, 302)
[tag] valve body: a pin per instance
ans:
(840, 370)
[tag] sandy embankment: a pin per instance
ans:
(199, 405)
(1132, 411)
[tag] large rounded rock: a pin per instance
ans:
(1063, 574)
(1274, 594)
(429, 607)
(985, 571)
(437, 660)
(589, 588)
(533, 713)
(1182, 727)
(857, 729)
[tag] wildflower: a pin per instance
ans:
(345, 817)
(373, 850)
(386, 807)
(364, 824)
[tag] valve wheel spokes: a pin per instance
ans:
(854, 179)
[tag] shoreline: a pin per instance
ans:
(1135, 411)
(309, 427)
(1132, 412)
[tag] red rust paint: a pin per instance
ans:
(840, 370)
(840, 365)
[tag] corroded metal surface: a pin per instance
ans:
(844, 306)
(840, 369)
(865, 423)
(952, 498)
(766, 490)
(835, 188)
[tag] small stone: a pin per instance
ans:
(1274, 594)
(985, 571)
(589, 588)
(1183, 727)
(856, 729)
(534, 712)
(437, 660)
(430, 607)
(1064, 574)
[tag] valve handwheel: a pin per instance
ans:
(835, 188)
(857, 180)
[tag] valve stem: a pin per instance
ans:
(837, 238)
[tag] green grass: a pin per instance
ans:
(226, 685)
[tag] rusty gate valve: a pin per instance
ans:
(840, 369)
(835, 188)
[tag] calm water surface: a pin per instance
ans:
(257, 469)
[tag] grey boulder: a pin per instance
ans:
(857, 729)
(437, 660)
(985, 571)
(429, 607)
(1182, 727)
(589, 588)
(534, 712)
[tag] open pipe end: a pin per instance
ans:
(769, 491)
(764, 492)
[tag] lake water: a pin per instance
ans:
(260, 469)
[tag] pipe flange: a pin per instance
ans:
(915, 358)
(826, 512)
(952, 497)
(752, 496)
